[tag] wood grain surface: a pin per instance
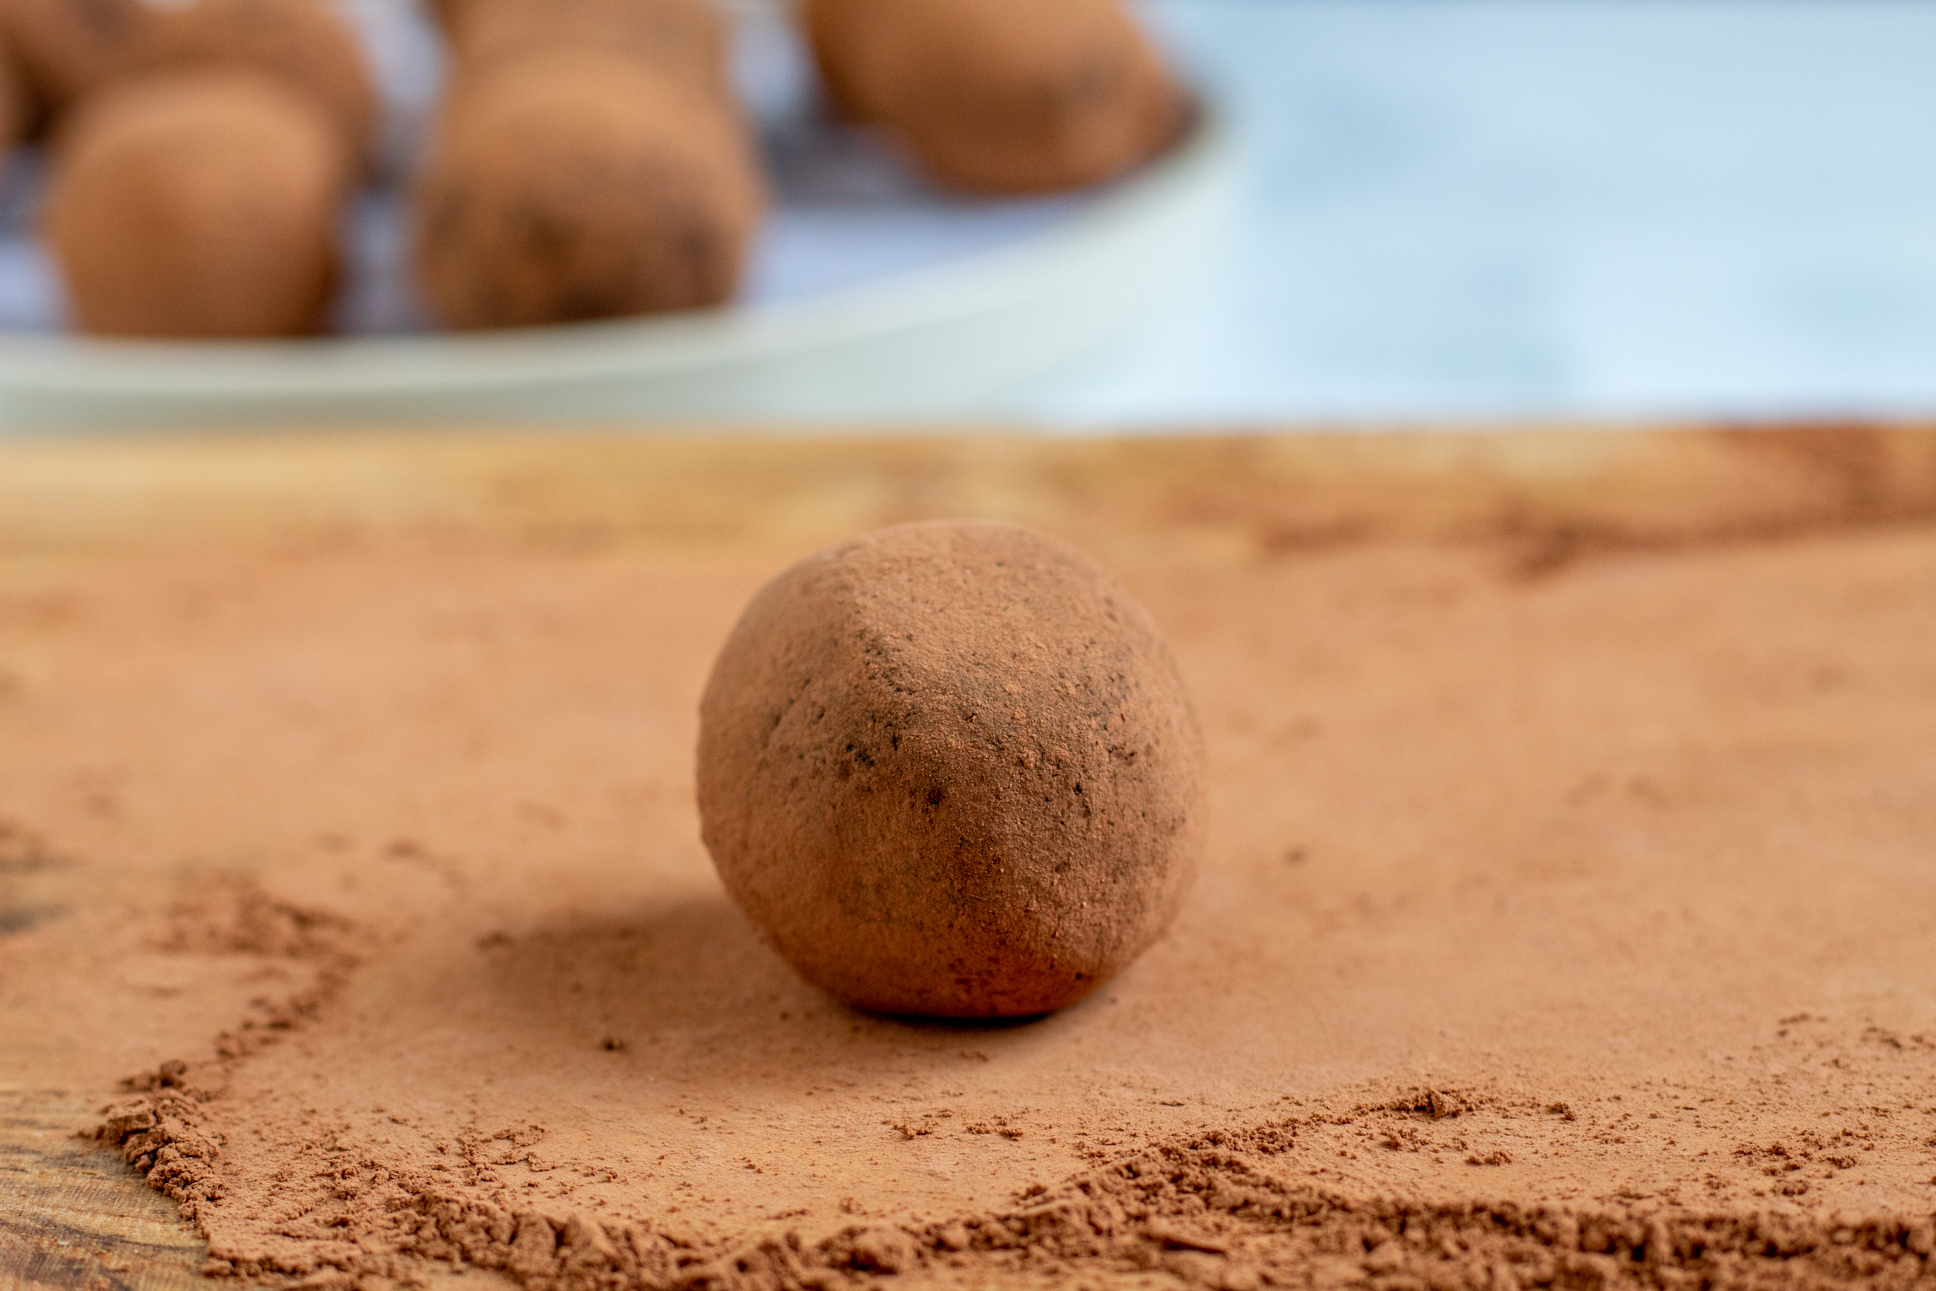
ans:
(72, 1215)
(1136, 498)
(75, 1216)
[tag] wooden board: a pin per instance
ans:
(74, 1216)
(1131, 499)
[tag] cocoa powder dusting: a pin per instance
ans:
(949, 769)
(1563, 931)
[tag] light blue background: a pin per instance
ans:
(1551, 208)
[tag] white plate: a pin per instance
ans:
(840, 320)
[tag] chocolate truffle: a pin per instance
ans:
(572, 183)
(950, 769)
(302, 41)
(682, 38)
(68, 47)
(198, 203)
(1001, 96)
(16, 105)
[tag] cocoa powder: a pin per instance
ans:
(1558, 930)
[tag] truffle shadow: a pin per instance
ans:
(687, 985)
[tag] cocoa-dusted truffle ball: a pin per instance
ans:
(197, 203)
(949, 769)
(304, 42)
(16, 104)
(572, 183)
(68, 47)
(1002, 96)
(684, 39)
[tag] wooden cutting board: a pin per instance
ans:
(72, 1215)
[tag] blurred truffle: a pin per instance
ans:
(685, 39)
(1002, 96)
(836, 31)
(572, 183)
(67, 47)
(445, 13)
(16, 104)
(304, 42)
(198, 203)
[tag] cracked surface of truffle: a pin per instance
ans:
(197, 203)
(949, 769)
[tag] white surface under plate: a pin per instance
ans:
(871, 294)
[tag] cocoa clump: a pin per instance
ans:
(950, 769)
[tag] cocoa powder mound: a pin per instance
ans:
(949, 769)
(1568, 929)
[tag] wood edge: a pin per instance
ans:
(1551, 490)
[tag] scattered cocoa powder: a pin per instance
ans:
(949, 769)
(1571, 930)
